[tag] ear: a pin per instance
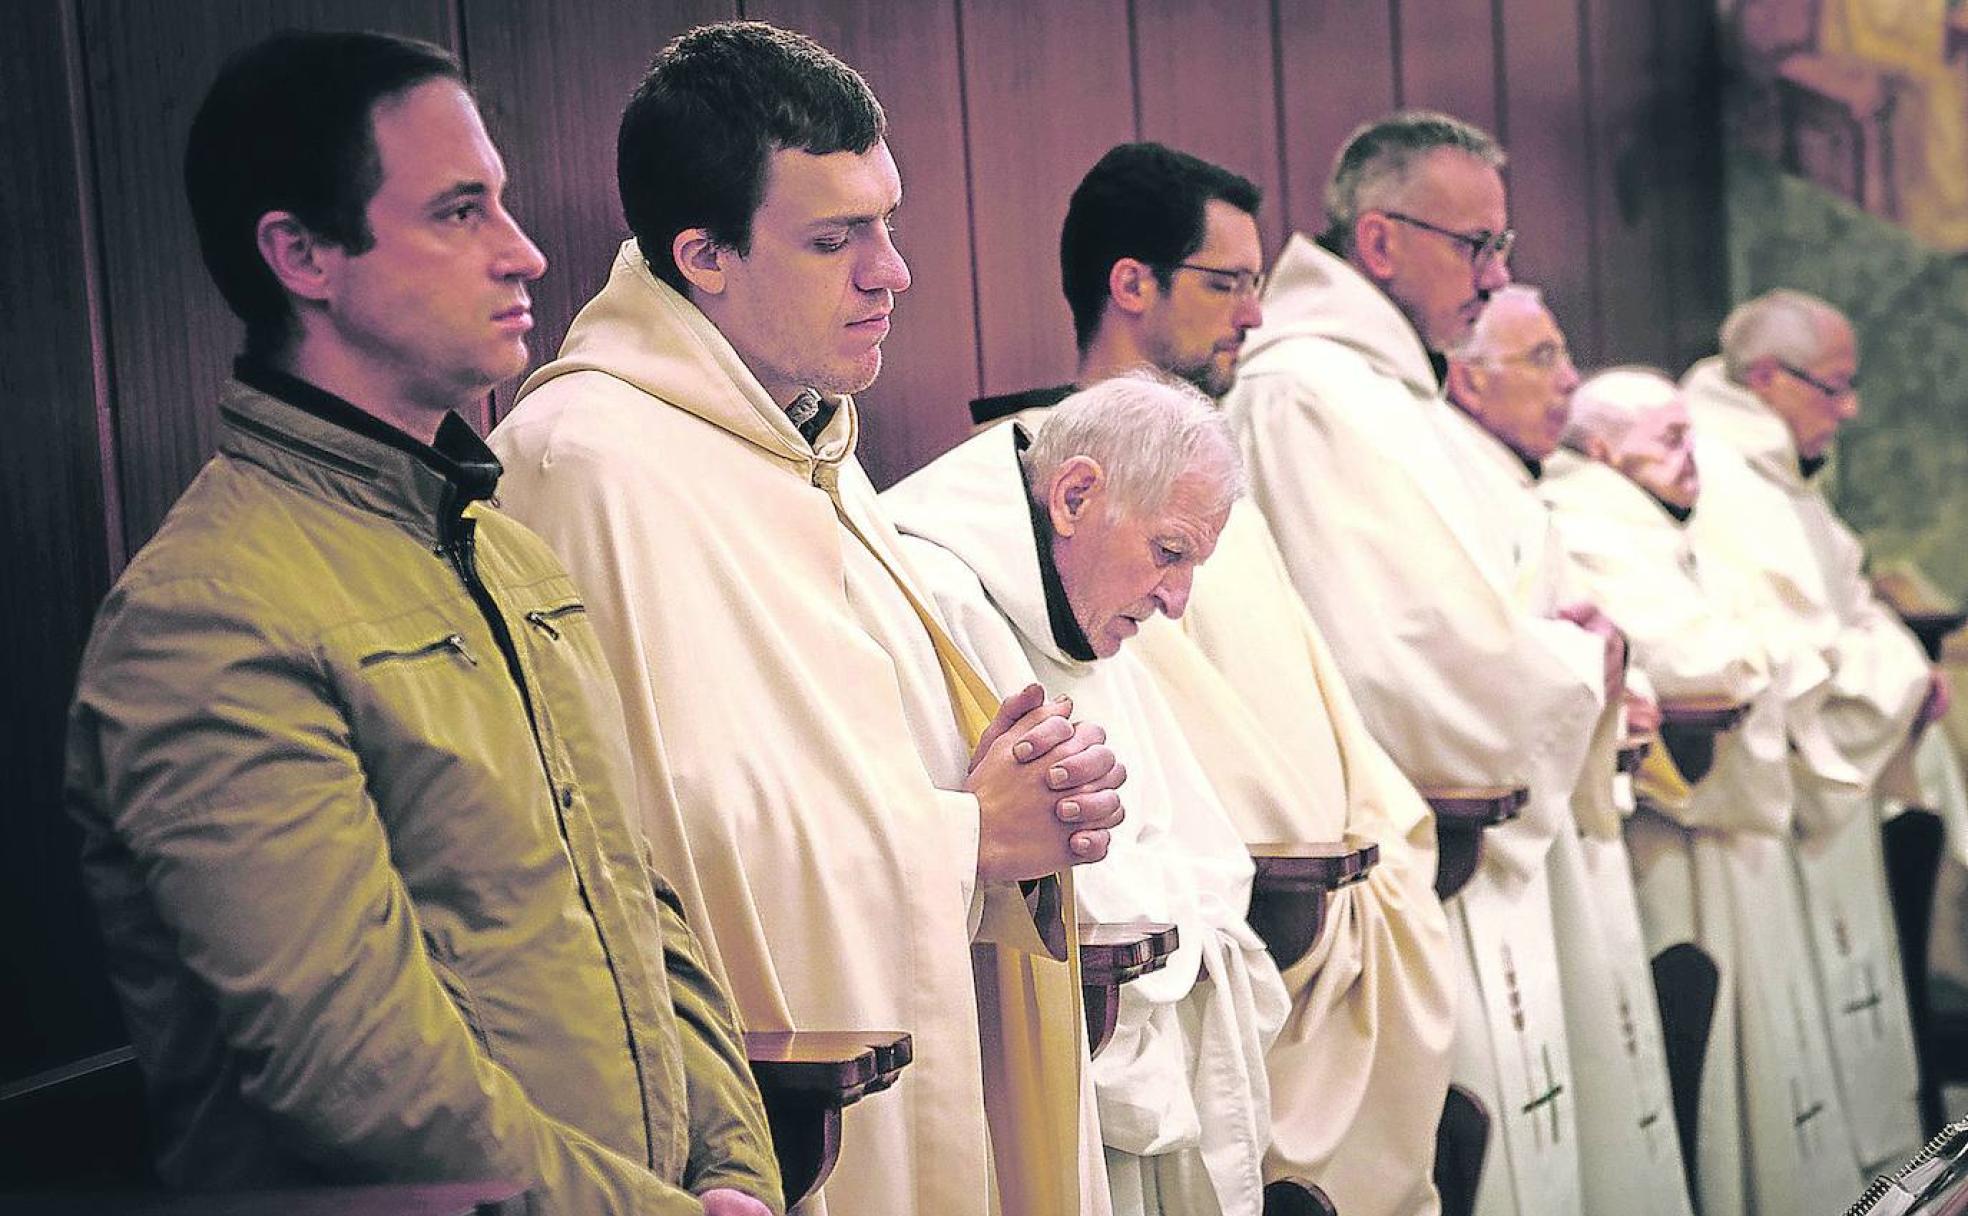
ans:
(1760, 373)
(303, 263)
(1373, 245)
(700, 259)
(1464, 385)
(1132, 286)
(1075, 490)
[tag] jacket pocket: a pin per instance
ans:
(452, 644)
(552, 619)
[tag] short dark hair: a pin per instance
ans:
(1143, 201)
(287, 126)
(716, 103)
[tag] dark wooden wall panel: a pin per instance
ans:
(56, 542)
(171, 337)
(908, 50)
(1635, 314)
(552, 93)
(1449, 58)
(1049, 89)
(1209, 86)
(1545, 127)
(1339, 72)
(116, 343)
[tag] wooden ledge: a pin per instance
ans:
(1293, 886)
(1461, 814)
(806, 1077)
(1111, 954)
(1711, 714)
(1933, 628)
(1632, 754)
(1296, 1197)
(1478, 806)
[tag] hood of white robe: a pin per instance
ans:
(972, 501)
(1316, 295)
(641, 331)
(1725, 410)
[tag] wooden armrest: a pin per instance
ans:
(1461, 814)
(1711, 714)
(1293, 885)
(1111, 955)
(1633, 753)
(806, 1077)
(1689, 728)
(1296, 1197)
(1932, 628)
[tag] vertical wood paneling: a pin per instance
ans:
(1688, 145)
(908, 51)
(171, 337)
(1635, 319)
(1338, 73)
(1049, 90)
(1543, 114)
(552, 88)
(53, 544)
(1448, 54)
(1208, 85)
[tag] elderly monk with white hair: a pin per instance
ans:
(1766, 412)
(1045, 556)
(1511, 384)
(1340, 411)
(1712, 860)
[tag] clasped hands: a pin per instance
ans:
(1047, 789)
(1587, 616)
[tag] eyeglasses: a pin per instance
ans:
(1833, 391)
(1482, 246)
(1249, 283)
(1545, 357)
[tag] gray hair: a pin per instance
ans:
(1374, 168)
(1480, 344)
(1605, 404)
(1787, 325)
(1145, 430)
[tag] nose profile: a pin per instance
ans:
(1173, 593)
(1249, 314)
(1493, 275)
(885, 269)
(522, 259)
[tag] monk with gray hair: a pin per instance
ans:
(1046, 555)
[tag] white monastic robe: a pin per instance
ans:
(1360, 1070)
(1629, 1149)
(774, 673)
(1805, 571)
(1712, 862)
(1341, 420)
(1184, 1103)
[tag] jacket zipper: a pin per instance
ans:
(454, 642)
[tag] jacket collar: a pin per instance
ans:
(327, 447)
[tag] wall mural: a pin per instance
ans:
(1847, 176)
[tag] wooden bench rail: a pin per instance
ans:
(1689, 728)
(1462, 1143)
(807, 1077)
(1111, 955)
(1632, 754)
(1933, 628)
(1296, 1197)
(1293, 886)
(1461, 814)
(83, 1125)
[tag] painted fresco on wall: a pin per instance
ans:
(1847, 176)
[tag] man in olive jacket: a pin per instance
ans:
(348, 760)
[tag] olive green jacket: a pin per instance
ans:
(353, 783)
